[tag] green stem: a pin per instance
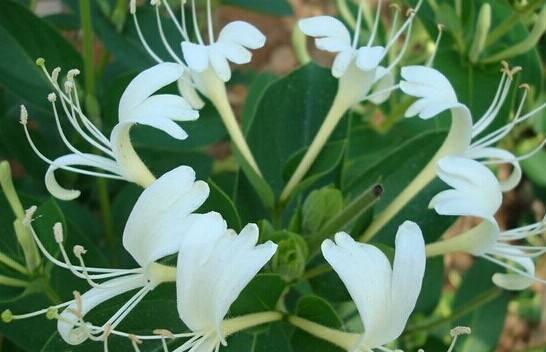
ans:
(337, 337)
(354, 210)
(471, 306)
(316, 271)
(89, 73)
(509, 23)
(104, 203)
(7, 261)
(9, 281)
(88, 52)
(119, 14)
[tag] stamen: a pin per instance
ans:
(55, 74)
(183, 17)
(436, 45)
(210, 24)
(106, 335)
(63, 167)
(411, 13)
(128, 307)
(402, 52)
(174, 19)
(376, 23)
(143, 40)
(381, 92)
(513, 268)
(195, 23)
(397, 11)
(135, 341)
(165, 334)
(357, 26)
(455, 333)
(164, 39)
(50, 312)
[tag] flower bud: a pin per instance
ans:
(291, 256)
(320, 206)
(482, 29)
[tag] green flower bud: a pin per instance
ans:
(320, 206)
(291, 256)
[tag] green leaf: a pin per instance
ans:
(220, 202)
(288, 117)
(261, 294)
(319, 311)
(269, 7)
(431, 290)
(24, 38)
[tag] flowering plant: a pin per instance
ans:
(179, 176)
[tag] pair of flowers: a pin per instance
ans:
(462, 163)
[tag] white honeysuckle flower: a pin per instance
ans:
(435, 95)
(476, 191)
(486, 240)
(138, 105)
(215, 266)
(385, 296)
(364, 62)
(156, 228)
(207, 65)
(207, 62)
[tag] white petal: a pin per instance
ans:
(169, 127)
(233, 52)
(332, 45)
(366, 273)
(497, 154)
(407, 276)
(512, 280)
(342, 62)
(368, 58)
(383, 80)
(188, 91)
(196, 56)
(326, 27)
(242, 33)
(207, 284)
(163, 106)
(90, 299)
(147, 83)
(158, 222)
(90, 160)
(422, 81)
(220, 64)
(476, 191)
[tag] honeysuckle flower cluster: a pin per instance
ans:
(207, 65)
(465, 139)
(462, 163)
(138, 105)
(358, 69)
(214, 263)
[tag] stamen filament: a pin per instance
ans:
(143, 40)
(210, 24)
(164, 39)
(376, 23)
(357, 27)
(513, 268)
(175, 20)
(195, 23)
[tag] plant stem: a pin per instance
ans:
(89, 73)
(335, 114)
(509, 23)
(7, 261)
(337, 337)
(471, 306)
(9, 281)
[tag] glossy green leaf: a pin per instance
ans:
(220, 202)
(269, 7)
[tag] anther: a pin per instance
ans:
(164, 332)
(68, 85)
(55, 74)
(29, 213)
(58, 232)
(134, 339)
(72, 73)
(40, 61)
(155, 2)
(52, 313)
(132, 7)
(440, 27)
(460, 330)
(7, 316)
(525, 86)
(79, 251)
(396, 7)
(79, 304)
(52, 97)
(23, 116)
(505, 67)
(107, 331)
(410, 12)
